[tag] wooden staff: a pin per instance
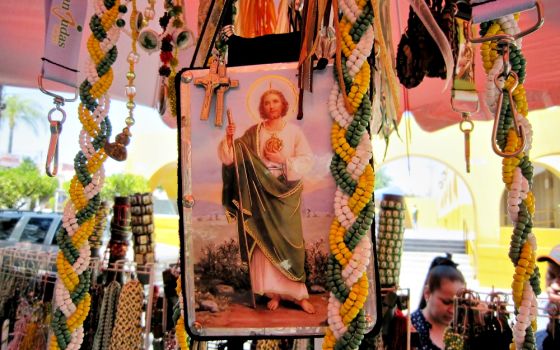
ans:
(240, 218)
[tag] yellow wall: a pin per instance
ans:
(490, 241)
(495, 268)
(459, 218)
(167, 229)
(427, 212)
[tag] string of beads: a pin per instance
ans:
(517, 173)
(72, 299)
(350, 245)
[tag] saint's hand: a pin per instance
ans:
(230, 130)
(275, 157)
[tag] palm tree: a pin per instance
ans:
(17, 109)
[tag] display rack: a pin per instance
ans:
(28, 266)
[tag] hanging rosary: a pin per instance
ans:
(117, 149)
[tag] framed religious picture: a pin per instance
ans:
(257, 202)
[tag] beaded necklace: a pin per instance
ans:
(117, 150)
(104, 331)
(127, 333)
(517, 170)
(171, 39)
(72, 299)
(350, 109)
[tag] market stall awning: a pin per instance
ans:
(22, 25)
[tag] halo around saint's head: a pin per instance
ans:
(275, 82)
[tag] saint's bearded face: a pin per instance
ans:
(273, 105)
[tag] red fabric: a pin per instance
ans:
(431, 106)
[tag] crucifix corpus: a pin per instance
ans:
(216, 80)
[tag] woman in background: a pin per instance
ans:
(435, 311)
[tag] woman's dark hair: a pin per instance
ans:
(441, 268)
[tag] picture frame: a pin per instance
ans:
(221, 261)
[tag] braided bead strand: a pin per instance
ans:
(72, 300)
(516, 174)
(350, 246)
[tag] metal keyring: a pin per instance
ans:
(57, 108)
(463, 124)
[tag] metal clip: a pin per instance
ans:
(536, 26)
(56, 128)
(467, 126)
(56, 96)
(518, 127)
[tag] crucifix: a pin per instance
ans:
(225, 84)
(216, 80)
(210, 82)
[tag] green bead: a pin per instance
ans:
(123, 8)
(120, 22)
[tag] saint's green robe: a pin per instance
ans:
(271, 209)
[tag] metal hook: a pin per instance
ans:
(56, 129)
(536, 26)
(55, 126)
(518, 127)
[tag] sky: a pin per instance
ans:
(27, 143)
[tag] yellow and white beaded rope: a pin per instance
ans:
(351, 113)
(517, 184)
(72, 300)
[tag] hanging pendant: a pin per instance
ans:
(149, 41)
(117, 149)
(161, 99)
(183, 38)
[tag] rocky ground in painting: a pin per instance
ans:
(239, 313)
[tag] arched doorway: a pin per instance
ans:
(440, 216)
(546, 188)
